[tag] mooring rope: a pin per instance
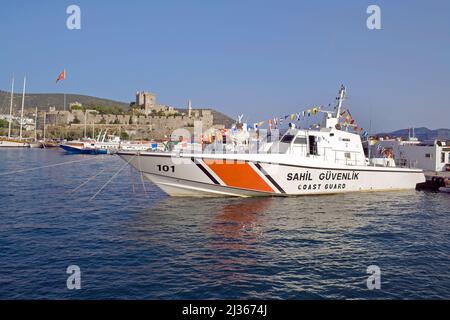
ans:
(43, 167)
(140, 172)
(104, 186)
(89, 179)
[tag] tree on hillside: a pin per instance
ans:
(4, 123)
(76, 121)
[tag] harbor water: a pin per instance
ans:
(131, 241)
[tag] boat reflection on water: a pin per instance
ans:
(295, 247)
(218, 219)
(238, 224)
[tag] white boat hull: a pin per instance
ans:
(36, 145)
(13, 144)
(264, 175)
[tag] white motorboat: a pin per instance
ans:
(138, 146)
(303, 162)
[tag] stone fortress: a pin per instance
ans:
(147, 120)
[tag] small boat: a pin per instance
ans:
(83, 147)
(138, 146)
(50, 144)
(36, 144)
(101, 145)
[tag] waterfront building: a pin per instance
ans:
(429, 156)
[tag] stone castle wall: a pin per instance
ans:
(154, 120)
(151, 126)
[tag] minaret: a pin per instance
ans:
(189, 108)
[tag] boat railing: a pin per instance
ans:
(405, 163)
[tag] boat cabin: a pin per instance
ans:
(325, 144)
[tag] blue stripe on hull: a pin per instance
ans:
(73, 150)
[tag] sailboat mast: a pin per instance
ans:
(85, 126)
(45, 123)
(35, 124)
(11, 108)
(23, 104)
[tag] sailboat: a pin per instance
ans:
(10, 142)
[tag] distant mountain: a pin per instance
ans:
(44, 100)
(422, 133)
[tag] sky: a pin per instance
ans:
(259, 58)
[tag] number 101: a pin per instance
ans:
(166, 168)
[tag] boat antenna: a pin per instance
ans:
(340, 99)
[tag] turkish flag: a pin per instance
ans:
(61, 76)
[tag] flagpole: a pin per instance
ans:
(64, 102)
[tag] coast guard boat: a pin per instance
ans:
(322, 161)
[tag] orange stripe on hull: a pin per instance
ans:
(239, 175)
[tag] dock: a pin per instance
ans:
(434, 180)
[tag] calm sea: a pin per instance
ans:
(131, 241)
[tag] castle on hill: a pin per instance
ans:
(147, 119)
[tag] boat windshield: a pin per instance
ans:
(287, 138)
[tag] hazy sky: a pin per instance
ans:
(260, 58)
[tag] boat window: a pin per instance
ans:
(347, 155)
(287, 138)
(312, 145)
(300, 140)
(443, 157)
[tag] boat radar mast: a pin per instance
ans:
(340, 99)
(331, 119)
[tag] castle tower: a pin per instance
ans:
(146, 101)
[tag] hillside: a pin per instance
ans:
(422, 133)
(45, 100)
